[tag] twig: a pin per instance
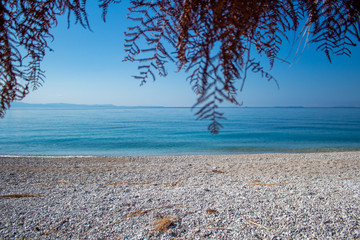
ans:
(163, 223)
(220, 228)
(215, 171)
(21, 195)
(259, 225)
(268, 184)
(140, 212)
(19, 180)
(173, 183)
(131, 183)
(56, 226)
(211, 211)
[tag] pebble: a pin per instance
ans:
(257, 196)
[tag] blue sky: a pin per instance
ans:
(86, 68)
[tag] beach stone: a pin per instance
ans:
(257, 196)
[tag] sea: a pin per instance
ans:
(68, 130)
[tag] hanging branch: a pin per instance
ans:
(214, 38)
(209, 40)
(24, 34)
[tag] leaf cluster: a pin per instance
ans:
(24, 36)
(217, 42)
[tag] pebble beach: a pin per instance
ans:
(255, 196)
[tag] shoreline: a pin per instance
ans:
(267, 195)
(307, 151)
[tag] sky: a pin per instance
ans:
(86, 67)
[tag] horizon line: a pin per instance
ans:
(141, 106)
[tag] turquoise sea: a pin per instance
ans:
(115, 131)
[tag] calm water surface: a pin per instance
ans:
(174, 131)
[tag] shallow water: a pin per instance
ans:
(114, 131)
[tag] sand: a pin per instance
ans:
(257, 196)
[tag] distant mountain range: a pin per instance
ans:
(68, 105)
